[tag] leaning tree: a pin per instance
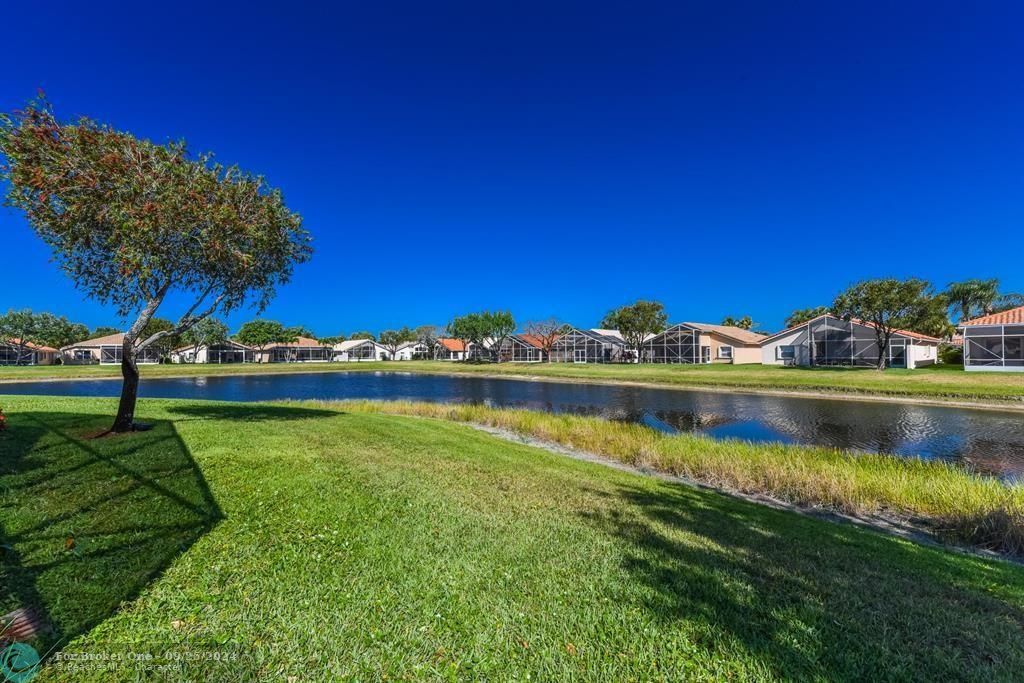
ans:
(132, 221)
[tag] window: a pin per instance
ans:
(725, 352)
(785, 352)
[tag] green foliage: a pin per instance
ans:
(477, 328)
(974, 298)
(363, 334)
(163, 344)
(392, 339)
(128, 220)
(890, 305)
(57, 331)
(635, 322)
(803, 315)
(206, 332)
(744, 323)
(260, 334)
(103, 331)
(45, 329)
(951, 354)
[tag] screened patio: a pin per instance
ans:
(994, 347)
(587, 346)
(519, 349)
(677, 344)
(111, 354)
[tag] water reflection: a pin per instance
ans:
(990, 442)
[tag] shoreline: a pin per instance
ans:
(1009, 405)
(897, 526)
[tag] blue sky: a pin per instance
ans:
(560, 159)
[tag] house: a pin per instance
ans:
(105, 351)
(302, 350)
(446, 348)
(577, 345)
(697, 343)
(828, 340)
(14, 352)
(995, 343)
(359, 350)
(521, 348)
(228, 351)
(414, 350)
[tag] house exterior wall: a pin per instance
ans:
(770, 351)
(77, 355)
(742, 354)
(12, 354)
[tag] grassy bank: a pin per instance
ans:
(964, 507)
(934, 383)
(325, 542)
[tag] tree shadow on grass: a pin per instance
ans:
(812, 599)
(248, 412)
(86, 524)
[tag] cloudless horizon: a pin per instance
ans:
(741, 159)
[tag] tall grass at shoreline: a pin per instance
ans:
(961, 506)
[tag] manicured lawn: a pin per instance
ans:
(939, 382)
(324, 544)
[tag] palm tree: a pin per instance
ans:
(972, 298)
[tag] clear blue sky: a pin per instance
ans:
(724, 158)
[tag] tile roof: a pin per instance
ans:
(30, 345)
(115, 339)
(531, 339)
(305, 342)
(452, 344)
(1014, 316)
(737, 333)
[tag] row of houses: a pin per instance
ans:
(991, 343)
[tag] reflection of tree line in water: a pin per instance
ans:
(983, 456)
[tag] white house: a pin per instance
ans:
(995, 343)
(828, 340)
(359, 350)
(105, 351)
(228, 351)
(413, 350)
(302, 350)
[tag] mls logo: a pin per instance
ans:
(19, 663)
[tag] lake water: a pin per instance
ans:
(986, 441)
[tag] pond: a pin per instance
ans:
(985, 441)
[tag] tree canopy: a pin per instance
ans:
(546, 332)
(207, 332)
(636, 321)
(744, 323)
(23, 327)
(392, 339)
(890, 305)
(974, 298)
(260, 334)
(130, 221)
(803, 315)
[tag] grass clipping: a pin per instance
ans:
(963, 507)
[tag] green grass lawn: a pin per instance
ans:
(323, 544)
(938, 382)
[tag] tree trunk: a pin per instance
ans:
(125, 420)
(883, 346)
